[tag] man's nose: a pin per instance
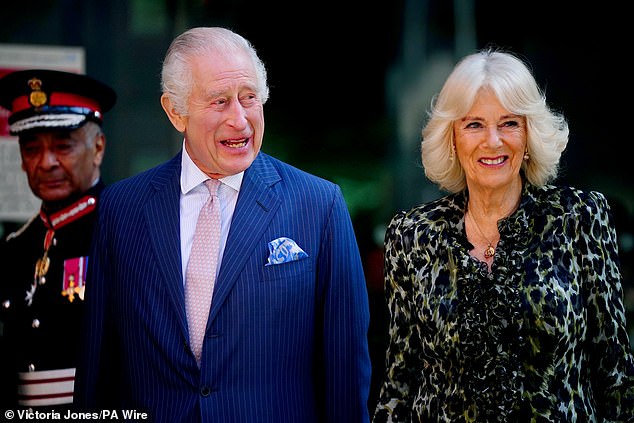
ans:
(237, 115)
(48, 158)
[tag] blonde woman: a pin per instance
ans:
(505, 296)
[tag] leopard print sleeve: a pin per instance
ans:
(398, 388)
(612, 368)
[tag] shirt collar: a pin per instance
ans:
(192, 176)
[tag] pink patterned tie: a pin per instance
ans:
(201, 269)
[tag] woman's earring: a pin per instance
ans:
(452, 153)
(526, 155)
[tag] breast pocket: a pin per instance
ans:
(292, 270)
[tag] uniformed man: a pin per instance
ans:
(58, 118)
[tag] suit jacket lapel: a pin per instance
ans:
(256, 206)
(162, 213)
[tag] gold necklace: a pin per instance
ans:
(490, 250)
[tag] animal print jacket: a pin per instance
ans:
(541, 337)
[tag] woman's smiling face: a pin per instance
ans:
(490, 143)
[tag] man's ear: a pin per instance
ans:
(100, 148)
(178, 121)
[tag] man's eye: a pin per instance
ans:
(63, 146)
(30, 149)
(248, 100)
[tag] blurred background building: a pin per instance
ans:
(350, 86)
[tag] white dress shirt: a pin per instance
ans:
(194, 194)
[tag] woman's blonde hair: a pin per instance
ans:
(512, 82)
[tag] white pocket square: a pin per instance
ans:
(283, 250)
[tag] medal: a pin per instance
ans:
(74, 280)
(71, 290)
(41, 267)
(43, 263)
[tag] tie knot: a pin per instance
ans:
(213, 185)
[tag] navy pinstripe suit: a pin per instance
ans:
(284, 343)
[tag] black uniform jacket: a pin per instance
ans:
(39, 328)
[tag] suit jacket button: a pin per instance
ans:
(205, 391)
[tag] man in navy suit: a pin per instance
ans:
(286, 334)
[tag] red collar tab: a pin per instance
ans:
(60, 218)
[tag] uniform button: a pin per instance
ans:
(6, 304)
(31, 367)
(205, 391)
(35, 324)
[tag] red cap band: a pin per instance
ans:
(58, 99)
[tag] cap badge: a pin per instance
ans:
(37, 97)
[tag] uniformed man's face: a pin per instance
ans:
(61, 164)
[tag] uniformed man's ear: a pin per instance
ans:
(178, 121)
(100, 148)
